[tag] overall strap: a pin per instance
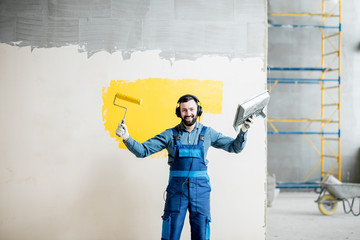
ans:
(202, 136)
(176, 136)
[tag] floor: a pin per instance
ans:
(295, 216)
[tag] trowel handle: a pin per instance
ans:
(262, 114)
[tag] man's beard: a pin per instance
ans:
(189, 123)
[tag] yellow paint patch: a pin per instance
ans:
(157, 111)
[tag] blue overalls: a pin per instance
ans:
(188, 188)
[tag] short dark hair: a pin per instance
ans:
(188, 97)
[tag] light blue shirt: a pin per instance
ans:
(166, 140)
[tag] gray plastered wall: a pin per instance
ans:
(180, 29)
(291, 157)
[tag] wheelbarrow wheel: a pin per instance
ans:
(327, 204)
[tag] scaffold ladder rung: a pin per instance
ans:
(332, 87)
(330, 156)
(330, 36)
(331, 139)
(331, 104)
(331, 53)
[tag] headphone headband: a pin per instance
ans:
(181, 99)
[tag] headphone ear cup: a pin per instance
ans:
(177, 112)
(200, 111)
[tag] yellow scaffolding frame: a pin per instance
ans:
(326, 151)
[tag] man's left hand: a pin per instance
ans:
(247, 123)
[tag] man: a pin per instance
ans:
(189, 187)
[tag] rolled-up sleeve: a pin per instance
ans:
(151, 146)
(218, 140)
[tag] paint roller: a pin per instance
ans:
(126, 98)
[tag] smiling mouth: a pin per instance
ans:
(189, 120)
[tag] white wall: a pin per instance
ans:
(63, 177)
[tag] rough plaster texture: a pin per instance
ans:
(292, 158)
(180, 29)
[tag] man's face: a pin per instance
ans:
(188, 112)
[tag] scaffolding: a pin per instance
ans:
(328, 77)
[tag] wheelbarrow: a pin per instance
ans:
(334, 191)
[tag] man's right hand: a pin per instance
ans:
(122, 131)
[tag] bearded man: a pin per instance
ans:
(189, 184)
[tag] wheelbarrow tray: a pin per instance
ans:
(343, 190)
